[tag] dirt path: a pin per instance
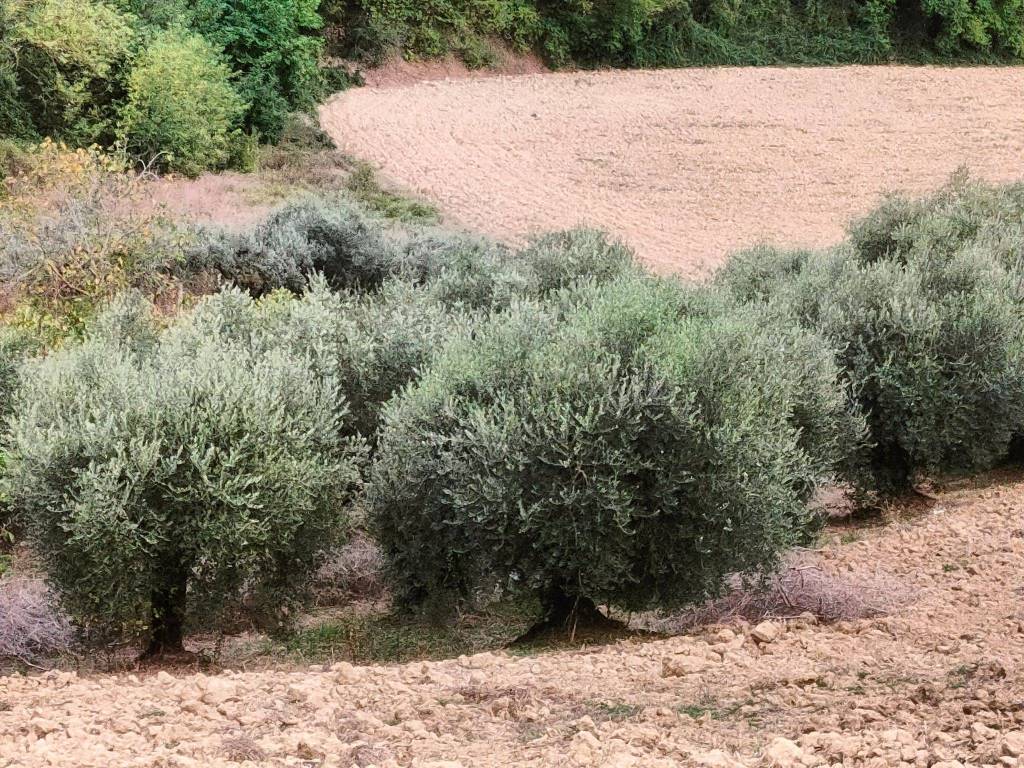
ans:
(939, 680)
(687, 165)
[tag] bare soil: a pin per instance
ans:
(937, 682)
(398, 72)
(686, 165)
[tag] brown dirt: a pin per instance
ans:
(938, 682)
(686, 165)
(398, 72)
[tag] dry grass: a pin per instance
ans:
(354, 573)
(31, 627)
(242, 749)
(803, 587)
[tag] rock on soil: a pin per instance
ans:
(936, 683)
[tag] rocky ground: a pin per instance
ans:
(938, 682)
(687, 165)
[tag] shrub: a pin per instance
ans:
(274, 47)
(633, 453)
(76, 232)
(161, 14)
(354, 572)
(658, 33)
(371, 29)
(804, 586)
(371, 345)
(346, 247)
(181, 109)
(924, 317)
(636, 319)
(14, 159)
(964, 214)
(464, 270)
(163, 475)
(959, 26)
(31, 627)
(477, 273)
(329, 236)
(559, 259)
(14, 118)
(68, 54)
(15, 346)
(405, 328)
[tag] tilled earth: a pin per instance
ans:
(938, 682)
(687, 165)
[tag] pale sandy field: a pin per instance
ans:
(686, 165)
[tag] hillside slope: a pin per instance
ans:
(686, 165)
(938, 681)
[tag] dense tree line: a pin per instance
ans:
(184, 86)
(665, 33)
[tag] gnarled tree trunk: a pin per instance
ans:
(167, 619)
(564, 614)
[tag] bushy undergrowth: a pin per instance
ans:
(162, 474)
(370, 345)
(31, 626)
(172, 80)
(166, 474)
(334, 238)
(16, 346)
(77, 231)
(922, 306)
(64, 64)
(646, 33)
(181, 108)
(631, 450)
(274, 47)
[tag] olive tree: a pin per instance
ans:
(164, 475)
(632, 447)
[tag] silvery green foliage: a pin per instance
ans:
(465, 271)
(135, 456)
(16, 345)
(922, 308)
(559, 259)
(633, 446)
(962, 215)
(346, 247)
(371, 345)
(330, 236)
(471, 272)
(404, 328)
